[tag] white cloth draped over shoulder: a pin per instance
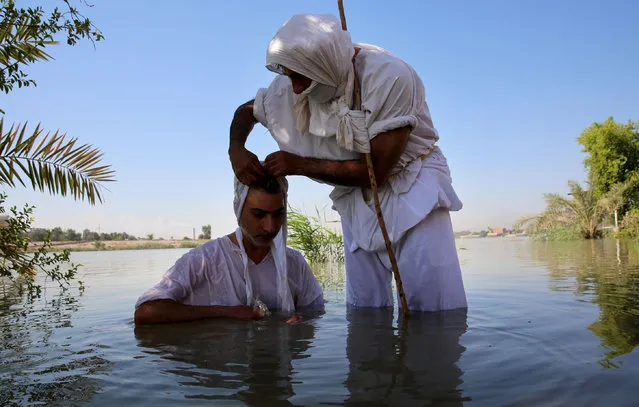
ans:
(277, 252)
(393, 96)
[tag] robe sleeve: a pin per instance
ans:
(176, 284)
(391, 98)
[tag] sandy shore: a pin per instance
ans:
(121, 245)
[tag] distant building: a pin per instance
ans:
(496, 232)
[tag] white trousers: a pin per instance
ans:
(428, 266)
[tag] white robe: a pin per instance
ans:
(393, 96)
(212, 274)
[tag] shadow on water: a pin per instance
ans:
(36, 369)
(604, 272)
(259, 363)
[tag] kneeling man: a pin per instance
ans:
(236, 275)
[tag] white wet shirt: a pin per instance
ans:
(212, 274)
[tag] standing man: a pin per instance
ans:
(308, 110)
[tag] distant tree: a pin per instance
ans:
(57, 234)
(38, 234)
(582, 210)
(71, 234)
(612, 153)
(149, 236)
(206, 232)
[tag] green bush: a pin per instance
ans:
(558, 234)
(630, 225)
(16, 259)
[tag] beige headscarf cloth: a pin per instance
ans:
(316, 46)
(278, 250)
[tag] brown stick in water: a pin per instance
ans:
(373, 181)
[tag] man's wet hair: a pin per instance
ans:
(268, 184)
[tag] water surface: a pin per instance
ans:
(547, 324)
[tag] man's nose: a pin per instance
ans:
(270, 224)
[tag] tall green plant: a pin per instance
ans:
(318, 243)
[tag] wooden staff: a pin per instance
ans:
(373, 181)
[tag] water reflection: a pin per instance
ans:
(221, 360)
(605, 272)
(36, 368)
(257, 362)
(414, 365)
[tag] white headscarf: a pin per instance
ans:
(278, 250)
(316, 46)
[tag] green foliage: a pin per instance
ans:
(558, 233)
(630, 225)
(583, 212)
(26, 33)
(318, 243)
(17, 263)
(47, 162)
(57, 235)
(613, 153)
(38, 234)
(98, 245)
(206, 232)
(149, 236)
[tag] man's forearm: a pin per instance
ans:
(386, 149)
(166, 311)
(348, 173)
(242, 124)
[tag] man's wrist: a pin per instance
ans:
(215, 311)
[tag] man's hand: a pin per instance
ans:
(281, 164)
(246, 165)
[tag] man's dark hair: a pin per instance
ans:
(268, 184)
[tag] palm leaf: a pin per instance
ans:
(52, 162)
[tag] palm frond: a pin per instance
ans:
(52, 162)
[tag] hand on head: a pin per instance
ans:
(246, 166)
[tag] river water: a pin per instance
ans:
(553, 324)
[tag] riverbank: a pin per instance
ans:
(98, 245)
